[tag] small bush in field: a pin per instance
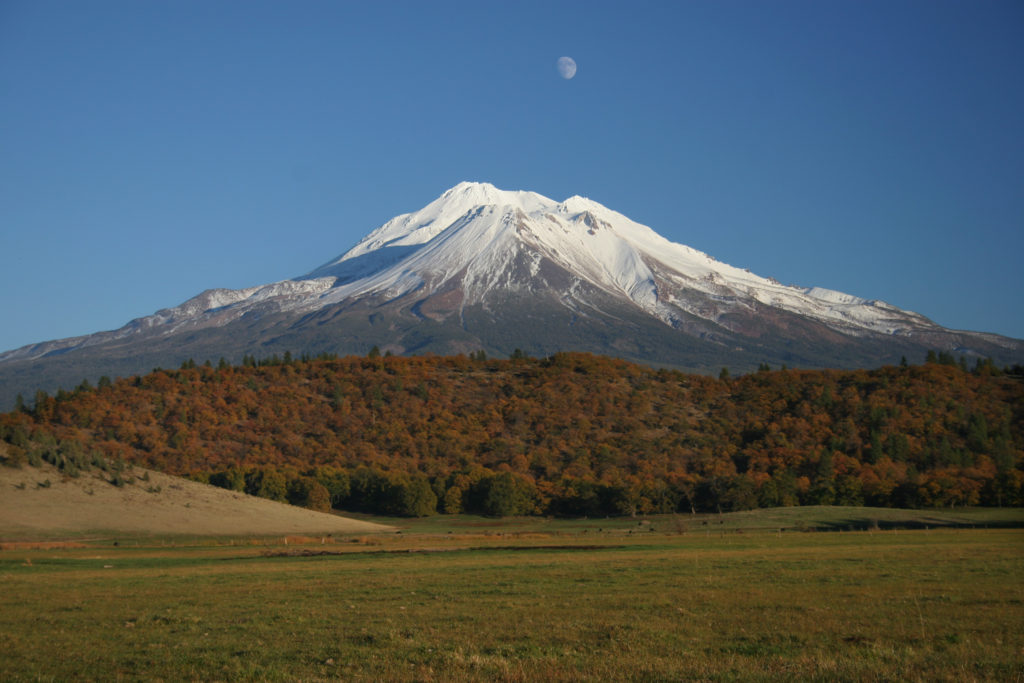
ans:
(15, 457)
(99, 461)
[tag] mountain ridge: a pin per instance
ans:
(576, 275)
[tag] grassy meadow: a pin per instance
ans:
(748, 596)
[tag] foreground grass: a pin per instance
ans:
(907, 605)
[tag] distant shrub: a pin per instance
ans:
(309, 493)
(97, 460)
(319, 497)
(15, 457)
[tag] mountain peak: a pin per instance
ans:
(469, 186)
(485, 267)
(483, 194)
(485, 242)
(576, 203)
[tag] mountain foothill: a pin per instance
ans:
(569, 434)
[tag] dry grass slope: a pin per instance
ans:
(41, 502)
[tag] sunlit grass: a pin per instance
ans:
(898, 605)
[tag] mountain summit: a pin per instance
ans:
(483, 241)
(484, 268)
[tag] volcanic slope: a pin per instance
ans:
(483, 268)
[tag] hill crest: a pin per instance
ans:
(572, 433)
(42, 501)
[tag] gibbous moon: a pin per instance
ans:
(566, 67)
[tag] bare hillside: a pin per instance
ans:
(42, 500)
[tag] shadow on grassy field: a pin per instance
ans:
(807, 518)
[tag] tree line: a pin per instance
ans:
(571, 434)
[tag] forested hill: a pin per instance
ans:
(569, 434)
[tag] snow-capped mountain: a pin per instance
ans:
(492, 240)
(483, 268)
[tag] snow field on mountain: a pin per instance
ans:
(483, 242)
(477, 230)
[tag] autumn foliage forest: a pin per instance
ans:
(572, 434)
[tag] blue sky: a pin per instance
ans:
(150, 150)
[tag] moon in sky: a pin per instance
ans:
(566, 67)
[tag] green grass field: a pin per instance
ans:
(746, 599)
